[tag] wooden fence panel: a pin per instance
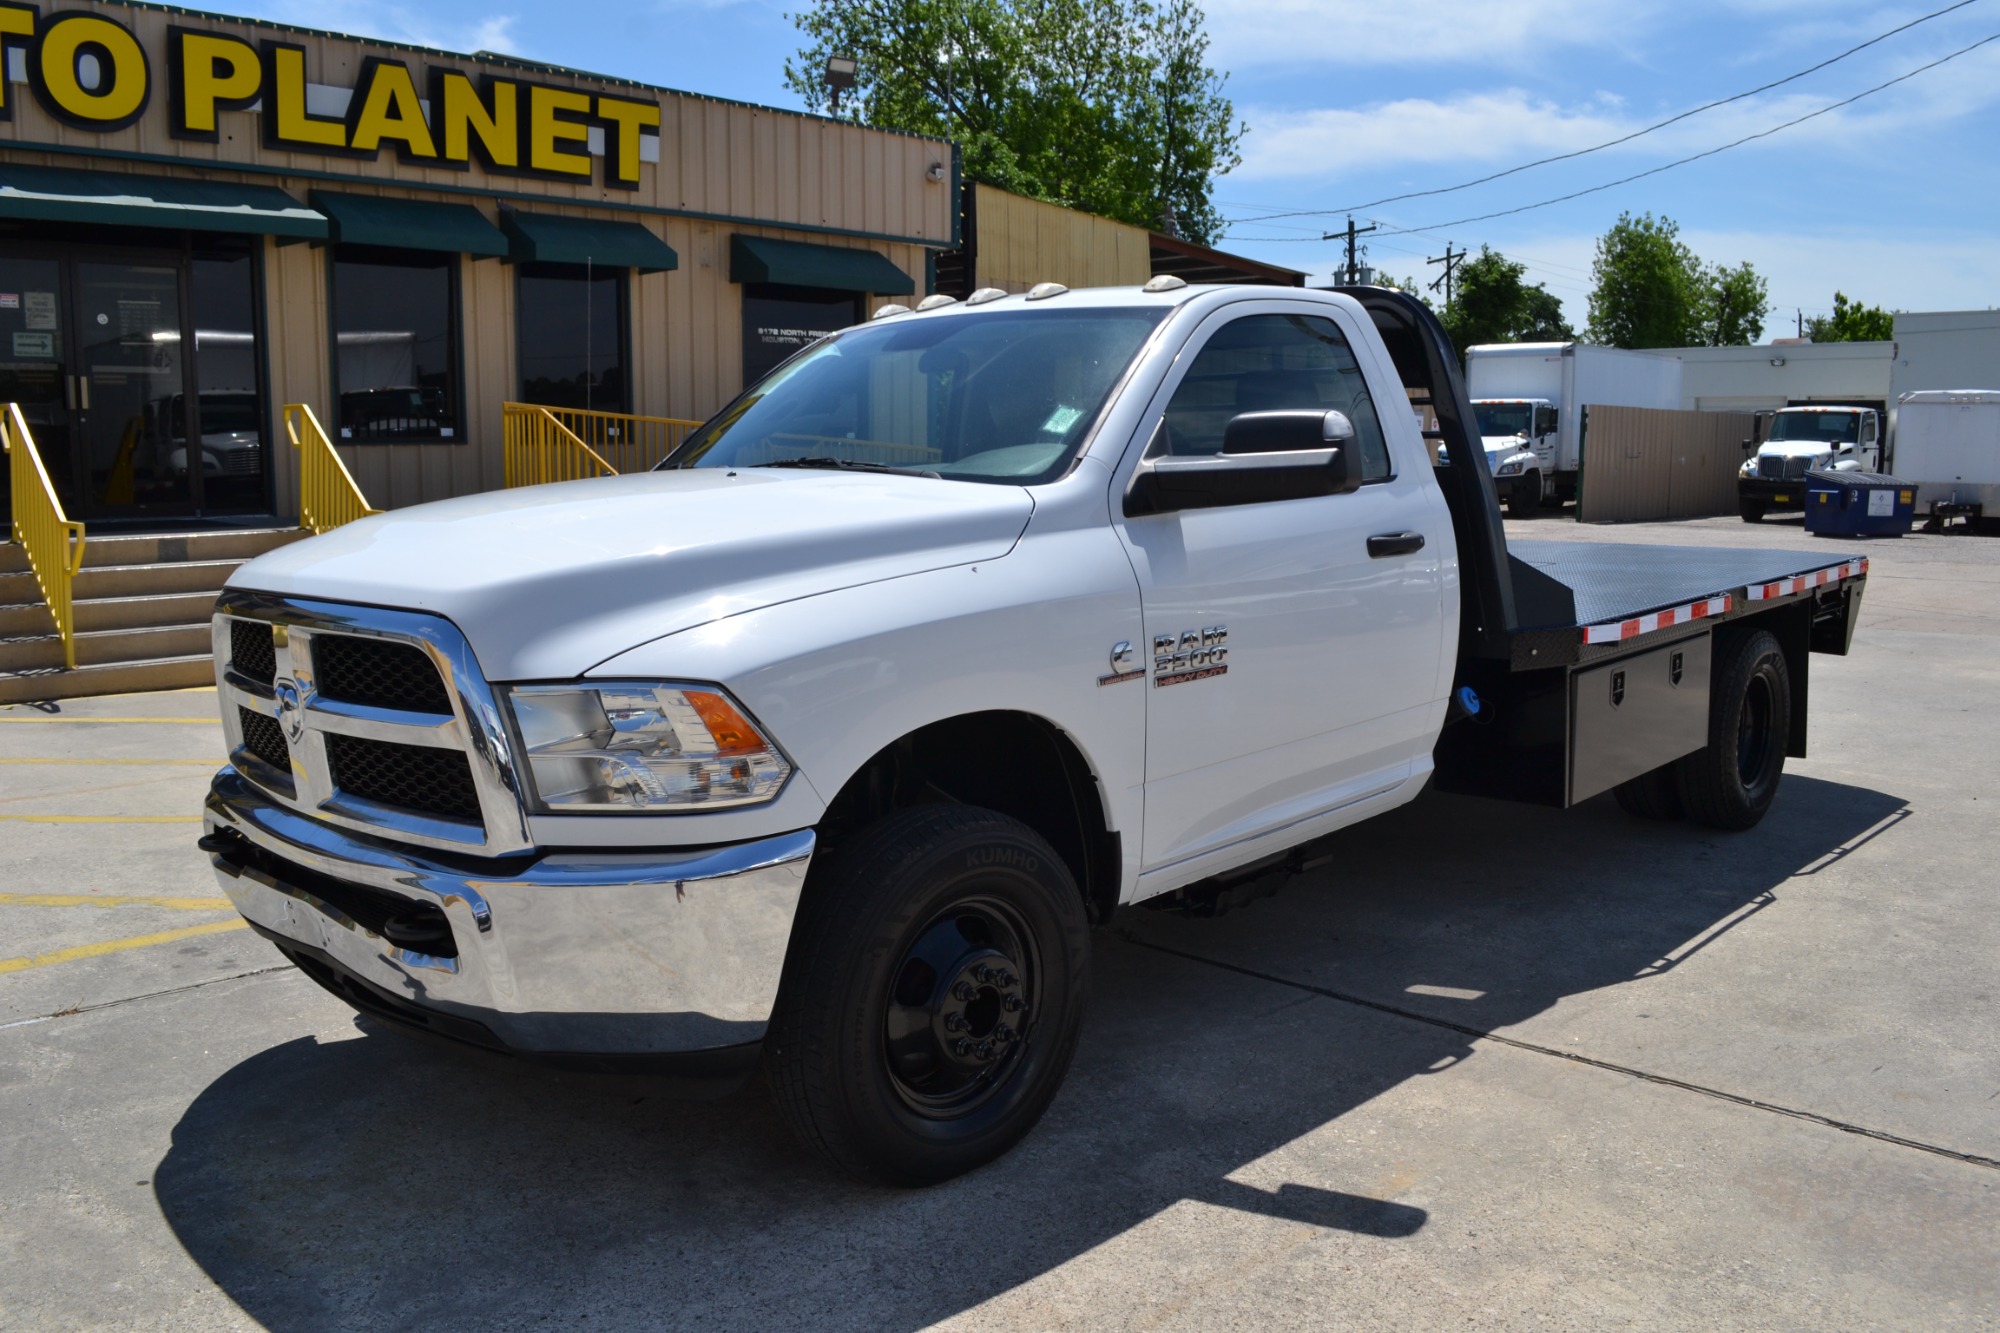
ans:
(1643, 464)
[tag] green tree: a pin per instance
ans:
(1109, 106)
(1650, 290)
(1852, 322)
(1735, 302)
(1491, 304)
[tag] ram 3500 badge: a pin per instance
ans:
(806, 748)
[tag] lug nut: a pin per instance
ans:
(983, 973)
(986, 1050)
(1003, 1034)
(962, 1047)
(1006, 979)
(963, 991)
(955, 1023)
(1014, 1004)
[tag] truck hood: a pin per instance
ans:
(1795, 448)
(548, 581)
(1504, 444)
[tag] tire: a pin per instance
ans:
(1526, 496)
(1654, 795)
(933, 997)
(1752, 510)
(1731, 782)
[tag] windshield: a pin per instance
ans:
(1001, 396)
(1505, 418)
(1819, 427)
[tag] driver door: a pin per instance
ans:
(1333, 656)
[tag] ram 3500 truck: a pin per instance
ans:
(1802, 440)
(825, 743)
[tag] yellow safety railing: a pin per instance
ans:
(328, 496)
(537, 448)
(623, 441)
(53, 543)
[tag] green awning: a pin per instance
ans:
(797, 264)
(366, 219)
(545, 238)
(67, 194)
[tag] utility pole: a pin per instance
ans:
(1450, 262)
(1351, 275)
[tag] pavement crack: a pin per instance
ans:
(1483, 1034)
(74, 1010)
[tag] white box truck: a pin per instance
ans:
(1530, 399)
(1948, 443)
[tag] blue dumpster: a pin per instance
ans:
(1859, 504)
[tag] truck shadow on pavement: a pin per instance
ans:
(379, 1182)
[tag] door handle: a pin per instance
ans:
(83, 383)
(69, 392)
(1394, 543)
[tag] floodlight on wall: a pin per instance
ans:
(839, 77)
(935, 171)
(1777, 361)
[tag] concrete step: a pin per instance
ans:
(106, 647)
(119, 549)
(174, 608)
(171, 673)
(149, 580)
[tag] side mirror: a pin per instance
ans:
(1265, 456)
(1749, 445)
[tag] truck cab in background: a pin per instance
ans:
(1520, 439)
(1802, 440)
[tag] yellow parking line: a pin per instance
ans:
(205, 763)
(102, 819)
(203, 721)
(113, 900)
(117, 946)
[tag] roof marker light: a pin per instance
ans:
(983, 295)
(1166, 282)
(885, 311)
(1042, 291)
(933, 302)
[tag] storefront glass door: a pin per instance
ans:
(139, 375)
(131, 432)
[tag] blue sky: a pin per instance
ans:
(1892, 200)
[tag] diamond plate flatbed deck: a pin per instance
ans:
(1616, 582)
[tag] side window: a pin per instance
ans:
(1269, 363)
(1868, 430)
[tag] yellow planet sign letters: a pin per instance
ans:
(91, 72)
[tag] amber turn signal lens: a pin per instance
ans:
(732, 731)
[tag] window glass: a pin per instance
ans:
(1001, 396)
(395, 362)
(572, 336)
(1269, 363)
(780, 321)
(233, 448)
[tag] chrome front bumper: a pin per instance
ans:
(566, 954)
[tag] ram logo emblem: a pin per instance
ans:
(1193, 654)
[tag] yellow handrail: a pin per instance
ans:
(538, 448)
(53, 543)
(328, 496)
(623, 441)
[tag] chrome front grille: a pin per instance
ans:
(1773, 468)
(377, 721)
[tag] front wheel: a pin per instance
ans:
(934, 996)
(1752, 510)
(1731, 782)
(1526, 496)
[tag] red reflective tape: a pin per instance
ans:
(1614, 631)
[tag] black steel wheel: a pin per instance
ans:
(1731, 782)
(1654, 795)
(933, 996)
(1525, 497)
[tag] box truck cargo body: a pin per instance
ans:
(1948, 443)
(1530, 399)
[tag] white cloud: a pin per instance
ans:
(397, 23)
(1344, 33)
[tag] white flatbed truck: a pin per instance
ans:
(824, 745)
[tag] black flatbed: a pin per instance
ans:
(1610, 581)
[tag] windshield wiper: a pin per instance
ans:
(848, 465)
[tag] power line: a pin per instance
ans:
(1613, 143)
(1613, 185)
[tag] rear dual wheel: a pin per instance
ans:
(1730, 782)
(934, 997)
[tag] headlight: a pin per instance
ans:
(642, 746)
(1749, 468)
(1508, 469)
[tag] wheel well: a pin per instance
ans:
(1016, 763)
